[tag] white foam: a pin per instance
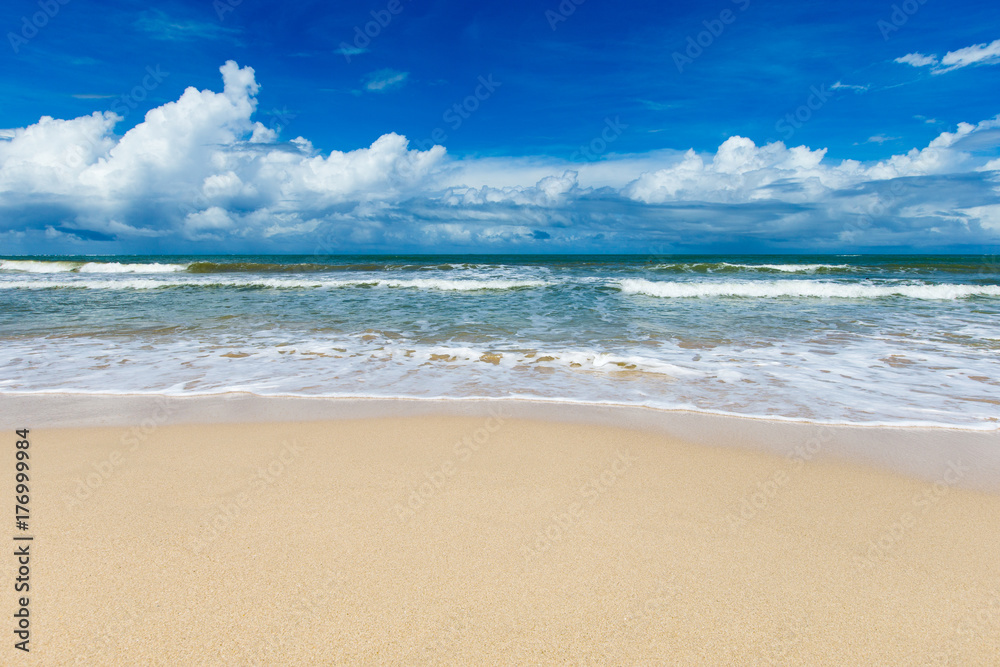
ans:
(792, 268)
(783, 268)
(117, 267)
(31, 266)
(862, 382)
(465, 285)
(801, 288)
(138, 283)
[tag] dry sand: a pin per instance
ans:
(485, 540)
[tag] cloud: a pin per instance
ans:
(917, 60)
(384, 79)
(846, 86)
(350, 51)
(200, 174)
(977, 54)
(879, 139)
(196, 166)
(158, 25)
(547, 191)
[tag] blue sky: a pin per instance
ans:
(627, 126)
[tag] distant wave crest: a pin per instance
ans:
(36, 266)
(464, 285)
(801, 288)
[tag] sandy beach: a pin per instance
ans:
(191, 532)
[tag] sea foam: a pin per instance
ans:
(771, 289)
(461, 285)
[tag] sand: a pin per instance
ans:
(168, 536)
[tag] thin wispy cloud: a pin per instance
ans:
(917, 60)
(977, 54)
(848, 86)
(880, 139)
(158, 25)
(659, 106)
(92, 96)
(384, 80)
(350, 51)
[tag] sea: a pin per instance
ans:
(857, 339)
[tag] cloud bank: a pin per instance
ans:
(199, 174)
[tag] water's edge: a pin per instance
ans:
(919, 452)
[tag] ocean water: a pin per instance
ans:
(845, 339)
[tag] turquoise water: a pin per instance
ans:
(859, 339)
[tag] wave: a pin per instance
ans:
(31, 266)
(267, 267)
(212, 267)
(116, 267)
(314, 267)
(793, 268)
(728, 267)
(802, 288)
(463, 285)
(36, 266)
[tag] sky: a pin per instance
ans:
(438, 126)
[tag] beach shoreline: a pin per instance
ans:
(918, 451)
